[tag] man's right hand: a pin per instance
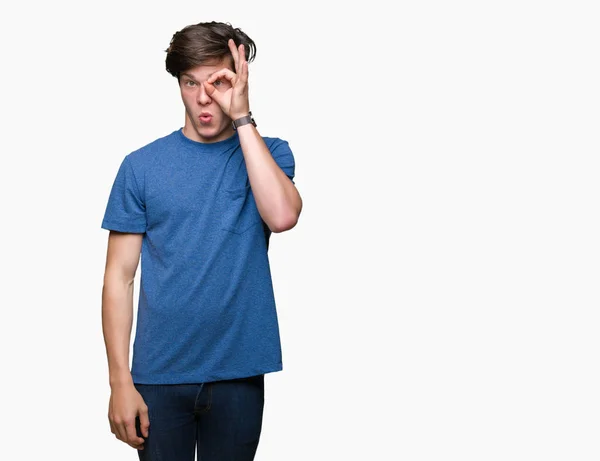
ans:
(124, 405)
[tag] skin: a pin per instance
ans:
(196, 100)
(125, 401)
(221, 90)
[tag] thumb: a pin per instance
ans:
(144, 421)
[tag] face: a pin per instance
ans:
(204, 119)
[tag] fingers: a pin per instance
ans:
(130, 430)
(244, 73)
(144, 421)
(243, 66)
(221, 74)
(210, 89)
(125, 431)
(212, 92)
(239, 56)
(227, 74)
(241, 59)
(235, 53)
(131, 435)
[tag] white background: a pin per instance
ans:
(438, 299)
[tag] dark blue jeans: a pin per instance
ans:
(223, 419)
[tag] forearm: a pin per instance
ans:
(117, 320)
(276, 197)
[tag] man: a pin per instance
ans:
(199, 205)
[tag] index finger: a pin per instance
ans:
(132, 437)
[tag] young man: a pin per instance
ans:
(199, 205)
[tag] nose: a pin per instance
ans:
(202, 97)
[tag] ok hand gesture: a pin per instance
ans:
(233, 100)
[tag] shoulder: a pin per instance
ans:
(149, 151)
(274, 143)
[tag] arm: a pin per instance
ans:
(117, 303)
(277, 199)
(276, 196)
(125, 402)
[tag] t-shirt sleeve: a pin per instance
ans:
(126, 210)
(283, 156)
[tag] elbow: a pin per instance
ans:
(283, 224)
(287, 219)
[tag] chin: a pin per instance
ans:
(206, 132)
(211, 132)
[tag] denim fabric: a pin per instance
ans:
(221, 419)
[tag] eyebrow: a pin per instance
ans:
(185, 74)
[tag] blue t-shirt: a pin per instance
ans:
(206, 307)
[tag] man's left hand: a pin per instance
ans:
(233, 101)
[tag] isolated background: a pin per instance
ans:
(438, 299)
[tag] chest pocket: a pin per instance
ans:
(239, 213)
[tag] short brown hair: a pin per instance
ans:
(201, 43)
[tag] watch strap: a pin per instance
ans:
(243, 121)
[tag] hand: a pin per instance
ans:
(124, 405)
(233, 101)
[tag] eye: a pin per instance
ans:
(218, 82)
(190, 83)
